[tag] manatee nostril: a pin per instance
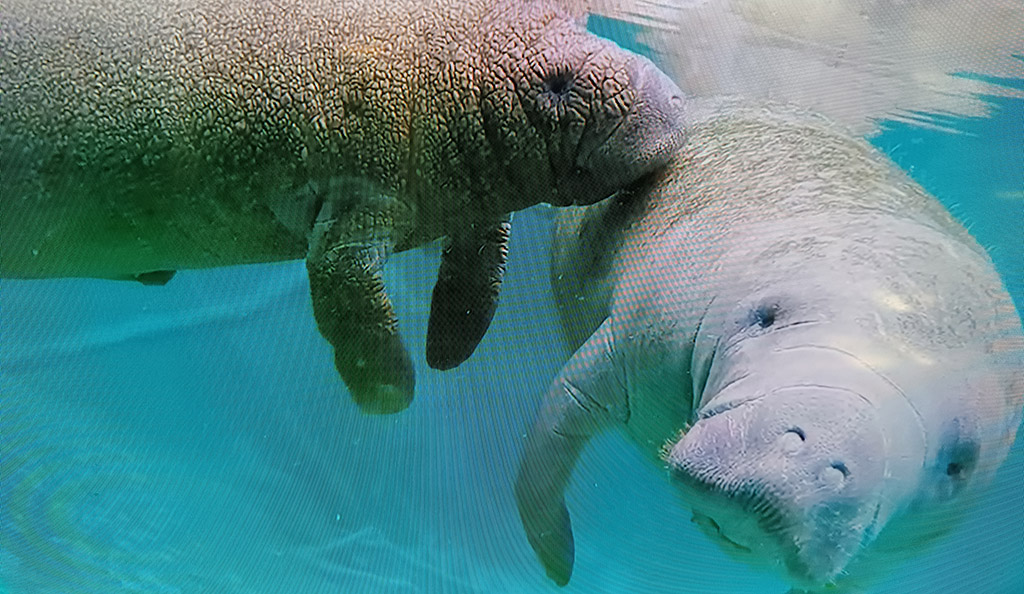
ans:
(834, 474)
(793, 440)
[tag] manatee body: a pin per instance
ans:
(139, 138)
(826, 362)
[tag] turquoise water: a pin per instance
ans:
(195, 437)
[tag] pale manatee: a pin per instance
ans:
(825, 361)
(138, 138)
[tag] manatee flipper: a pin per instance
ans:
(587, 396)
(466, 293)
(347, 252)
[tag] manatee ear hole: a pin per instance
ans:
(559, 82)
(764, 315)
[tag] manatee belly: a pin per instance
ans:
(119, 226)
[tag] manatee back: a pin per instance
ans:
(193, 133)
(196, 133)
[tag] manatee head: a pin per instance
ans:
(828, 441)
(572, 116)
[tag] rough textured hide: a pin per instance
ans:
(138, 138)
(825, 360)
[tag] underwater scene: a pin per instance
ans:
(253, 341)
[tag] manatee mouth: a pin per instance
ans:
(800, 451)
(751, 525)
(711, 528)
(774, 482)
(784, 552)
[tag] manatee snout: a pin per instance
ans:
(619, 150)
(792, 478)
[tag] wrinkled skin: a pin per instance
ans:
(826, 363)
(141, 138)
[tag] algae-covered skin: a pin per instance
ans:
(826, 362)
(138, 138)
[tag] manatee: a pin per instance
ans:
(825, 362)
(141, 138)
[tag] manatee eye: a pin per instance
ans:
(963, 456)
(958, 456)
(764, 315)
(558, 82)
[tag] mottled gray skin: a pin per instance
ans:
(826, 362)
(141, 137)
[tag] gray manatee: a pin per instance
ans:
(825, 361)
(142, 137)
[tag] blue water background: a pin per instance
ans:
(195, 437)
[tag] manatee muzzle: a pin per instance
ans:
(795, 478)
(637, 145)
